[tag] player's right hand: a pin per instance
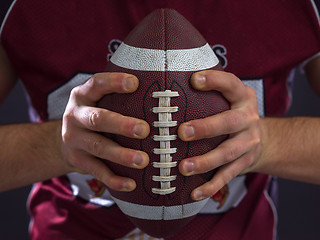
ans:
(84, 147)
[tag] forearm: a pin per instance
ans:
(291, 148)
(30, 153)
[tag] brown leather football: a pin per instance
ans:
(163, 51)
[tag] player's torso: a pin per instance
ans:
(255, 41)
(68, 41)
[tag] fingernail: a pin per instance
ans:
(127, 186)
(139, 130)
(200, 80)
(188, 167)
(198, 195)
(188, 131)
(137, 159)
(129, 83)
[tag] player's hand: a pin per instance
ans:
(84, 148)
(241, 150)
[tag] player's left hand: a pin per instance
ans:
(242, 123)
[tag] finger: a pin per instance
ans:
(103, 120)
(104, 148)
(228, 84)
(227, 122)
(222, 177)
(100, 171)
(101, 84)
(228, 151)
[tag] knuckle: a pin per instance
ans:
(93, 80)
(68, 116)
(97, 174)
(256, 139)
(94, 119)
(96, 148)
(229, 173)
(242, 119)
(231, 153)
(235, 81)
(255, 130)
(235, 120)
(233, 76)
(75, 91)
(226, 177)
(223, 179)
(67, 136)
(250, 93)
(255, 117)
(251, 117)
(249, 160)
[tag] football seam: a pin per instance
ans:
(165, 48)
(164, 111)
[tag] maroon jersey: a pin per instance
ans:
(57, 45)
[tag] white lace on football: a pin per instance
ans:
(164, 111)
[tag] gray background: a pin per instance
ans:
(299, 211)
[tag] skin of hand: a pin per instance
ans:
(242, 123)
(84, 148)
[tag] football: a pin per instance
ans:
(163, 51)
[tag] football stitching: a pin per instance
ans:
(164, 111)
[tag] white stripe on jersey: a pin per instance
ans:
(273, 208)
(257, 86)
(143, 59)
